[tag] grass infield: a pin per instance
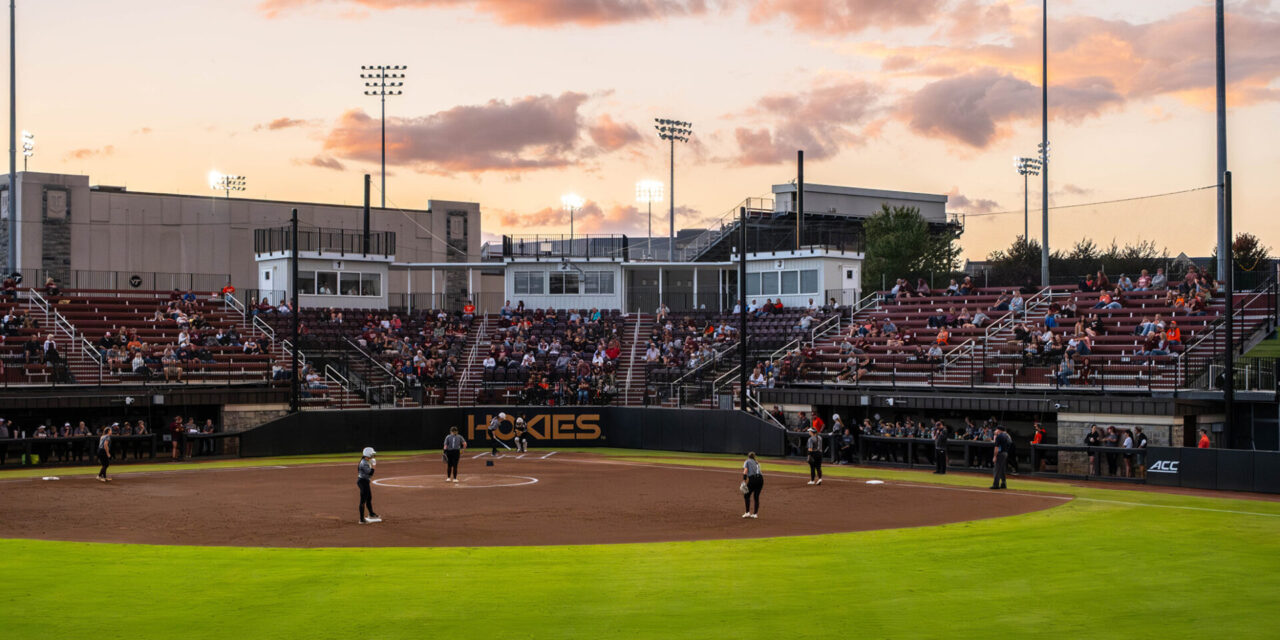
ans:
(1111, 563)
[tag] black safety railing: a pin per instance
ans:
(563, 246)
(340, 241)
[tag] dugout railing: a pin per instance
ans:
(1078, 462)
(965, 455)
(82, 450)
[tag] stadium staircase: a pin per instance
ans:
(471, 364)
(632, 371)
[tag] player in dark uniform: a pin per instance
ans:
(364, 472)
(104, 454)
(453, 446)
(522, 435)
(814, 448)
(940, 437)
(754, 481)
(1000, 458)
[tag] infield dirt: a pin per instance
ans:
(576, 499)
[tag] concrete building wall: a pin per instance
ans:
(110, 230)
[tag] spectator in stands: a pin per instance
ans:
(51, 287)
(922, 287)
(1173, 335)
(953, 289)
(1123, 283)
(1062, 372)
(1144, 281)
(1159, 281)
(1016, 302)
(966, 287)
(9, 289)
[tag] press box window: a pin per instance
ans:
(769, 283)
(327, 283)
(790, 282)
(753, 284)
(809, 281)
(564, 283)
(528, 282)
(370, 284)
(597, 282)
(307, 282)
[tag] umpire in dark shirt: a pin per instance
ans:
(940, 437)
(1000, 458)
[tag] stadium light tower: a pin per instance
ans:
(572, 202)
(28, 147)
(649, 192)
(1026, 167)
(386, 81)
(672, 130)
(225, 183)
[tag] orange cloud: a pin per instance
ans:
(610, 135)
(539, 13)
(592, 218)
(323, 162)
(848, 16)
(85, 154)
(280, 123)
(961, 203)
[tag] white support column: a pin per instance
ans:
(409, 304)
(660, 286)
(695, 288)
(471, 285)
(433, 286)
(720, 287)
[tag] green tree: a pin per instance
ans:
(900, 245)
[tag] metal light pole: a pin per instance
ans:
(12, 266)
(672, 130)
(28, 147)
(225, 183)
(649, 192)
(386, 82)
(295, 386)
(572, 202)
(1026, 167)
(1044, 146)
(1228, 278)
(1224, 237)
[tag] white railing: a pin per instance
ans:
(763, 412)
(471, 358)
(823, 328)
(869, 302)
(265, 329)
(229, 301)
(635, 342)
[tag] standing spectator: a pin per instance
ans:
(1092, 440)
(940, 447)
(1112, 441)
(176, 437)
(848, 446)
(1204, 440)
(837, 429)
(1000, 458)
(754, 481)
(4, 435)
(1036, 439)
(1128, 453)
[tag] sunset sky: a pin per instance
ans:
(512, 103)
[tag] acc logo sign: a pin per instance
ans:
(1163, 466)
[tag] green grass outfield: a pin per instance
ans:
(1110, 564)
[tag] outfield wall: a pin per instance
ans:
(1221, 469)
(698, 431)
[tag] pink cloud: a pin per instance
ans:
(323, 162)
(592, 218)
(961, 203)
(534, 132)
(975, 108)
(821, 121)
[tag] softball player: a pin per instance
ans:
(104, 454)
(522, 436)
(814, 448)
(453, 446)
(755, 482)
(494, 425)
(364, 471)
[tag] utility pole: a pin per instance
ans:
(366, 214)
(295, 389)
(1224, 236)
(1228, 277)
(12, 262)
(1044, 147)
(799, 199)
(742, 305)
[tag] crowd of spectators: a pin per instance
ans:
(561, 357)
